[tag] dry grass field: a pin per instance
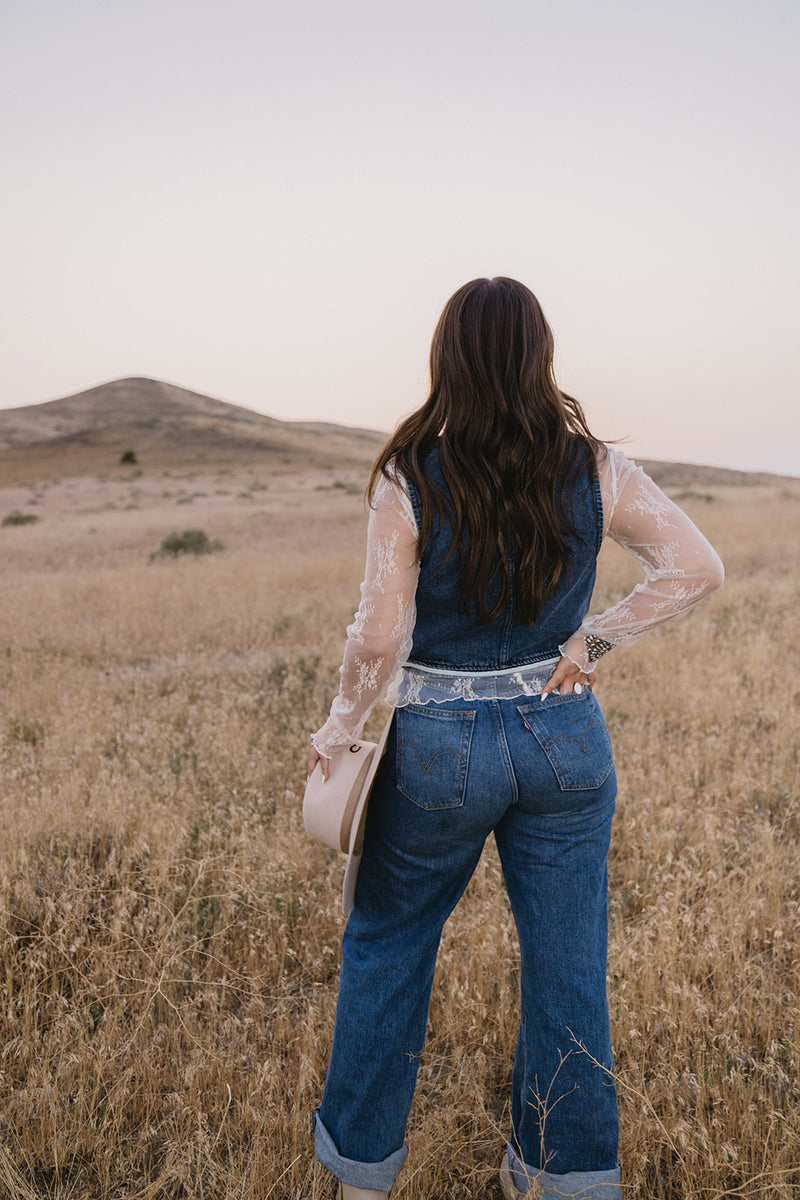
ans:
(169, 947)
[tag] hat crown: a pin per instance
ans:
(329, 807)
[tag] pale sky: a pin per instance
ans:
(272, 202)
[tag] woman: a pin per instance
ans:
(488, 507)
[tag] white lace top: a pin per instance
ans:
(680, 567)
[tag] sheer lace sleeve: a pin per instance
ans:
(379, 640)
(680, 566)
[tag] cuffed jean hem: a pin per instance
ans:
(589, 1185)
(379, 1177)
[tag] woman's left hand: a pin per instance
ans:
(315, 757)
(565, 677)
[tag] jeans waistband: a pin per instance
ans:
(437, 685)
(544, 664)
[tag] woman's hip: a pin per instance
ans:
(478, 759)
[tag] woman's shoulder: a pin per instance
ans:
(613, 465)
(615, 471)
(392, 496)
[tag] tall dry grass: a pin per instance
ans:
(170, 937)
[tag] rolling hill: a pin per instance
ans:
(166, 426)
(169, 426)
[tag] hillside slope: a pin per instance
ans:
(169, 426)
(166, 426)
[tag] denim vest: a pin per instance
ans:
(447, 639)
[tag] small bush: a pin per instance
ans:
(690, 494)
(22, 732)
(341, 485)
(20, 518)
(128, 456)
(191, 541)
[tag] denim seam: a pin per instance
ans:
(508, 625)
(416, 502)
(598, 507)
(555, 699)
(468, 714)
(501, 735)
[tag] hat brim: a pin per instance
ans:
(356, 845)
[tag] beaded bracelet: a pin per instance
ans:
(596, 647)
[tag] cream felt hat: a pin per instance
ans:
(334, 812)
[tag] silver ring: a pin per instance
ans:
(577, 689)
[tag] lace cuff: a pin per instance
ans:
(330, 739)
(585, 649)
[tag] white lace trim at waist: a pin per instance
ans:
(432, 685)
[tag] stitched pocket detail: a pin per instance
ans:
(433, 755)
(572, 732)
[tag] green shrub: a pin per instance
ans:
(341, 485)
(20, 518)
(191, 541)
(128, 456)
(22, 732)
(690, 494)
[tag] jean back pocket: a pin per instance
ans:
(433, 755)
(572, 732)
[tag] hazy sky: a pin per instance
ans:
(271, 203)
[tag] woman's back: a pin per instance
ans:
(446, 637)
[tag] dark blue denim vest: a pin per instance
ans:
(447, 639)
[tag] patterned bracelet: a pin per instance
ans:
(596, 647)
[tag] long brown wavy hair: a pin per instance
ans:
(513, 449)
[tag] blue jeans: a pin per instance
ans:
(540, 776)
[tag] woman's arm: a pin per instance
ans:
(679, 564)
(379, 640)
